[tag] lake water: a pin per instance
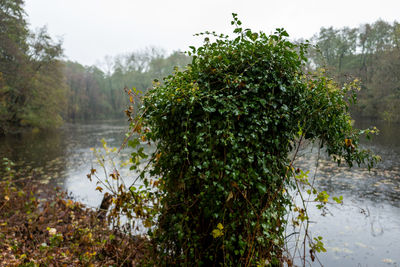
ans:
(364, 231)
(64, 157)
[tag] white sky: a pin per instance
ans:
(92, 29)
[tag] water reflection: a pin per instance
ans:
(63, 157)
(37, 155)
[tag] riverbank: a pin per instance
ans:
(43, 226)
(63, 158)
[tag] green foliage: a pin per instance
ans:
(99, 94)
(31, 81)
(371, 53)
(224, 130)
(38, 90)
(87, 95)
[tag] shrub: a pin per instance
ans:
(224, 130)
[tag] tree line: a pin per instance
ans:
(95, 93)
(31, 78)
(370, 53)
(40, 89)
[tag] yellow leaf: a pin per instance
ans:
(147, 223)
(348, 142)
(217, 233)
(230, 196)
(99, 189)
(69, 203)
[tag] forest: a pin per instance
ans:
(370, 53)
(39, 88)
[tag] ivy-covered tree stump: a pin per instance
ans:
(224, 129)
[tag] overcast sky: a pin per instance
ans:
(92, 29)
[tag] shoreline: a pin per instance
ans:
(41, 225)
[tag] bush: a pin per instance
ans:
(224, 129)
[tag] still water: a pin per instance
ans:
(64, 157)
(364, 231)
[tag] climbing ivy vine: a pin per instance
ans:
(226, 132)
